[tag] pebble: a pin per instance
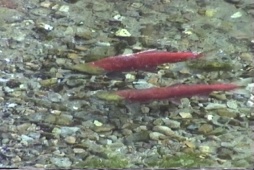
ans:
(158, 121)
(67, 131)
(70, 139)
(103, 128)
(64, 8)
(26, 138)
(126, 132)
(16, 159)
(118, 17)
(61, 162)
(122, 33)
(212, 106)
(46, 4)
(236, 15)
(227, 113)
(138, 137)
(97, 123)
(64, 119)
(129, 77)
(55, 97)
(78, 150)
(210, 12)
(157, 136)
(205, 128)
(166, 131)
(171, 123)
(232, 104)
(205, 149)
(22, 128)
(185, 115)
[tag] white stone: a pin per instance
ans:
(123, 33)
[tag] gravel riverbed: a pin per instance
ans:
(50, 117)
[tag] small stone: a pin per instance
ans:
(22, 128)
(143, 127)
(64, 119)
(212, 106)
(138, 137)
(55, 97)
(67, 131)
(61, 162)
(126, 132)
(87, 34)
(145, 109)
(157, 136)
(130, 77)
(209, 117)
(225, 153)
(56, 131)
(103, 128)
(185, 115)
(210, 12)
(26, 138)
(39, 166)
(118, 17)
(172, 123)
(122, 33)
(64, 8)
(55, 112)
(167, 131)
(78, 150)
(46, 4)
(44, 26)
(70, 139)
(205, 149)
(226, 113)
(164, 129)
(205, 128)
(158, 121)
(232, 104)
(16, 159)
(189, 144)
(97, 123)
(236, 15)
(60, 61)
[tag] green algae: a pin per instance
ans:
(186, 160)
(111, 162)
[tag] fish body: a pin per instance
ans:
(136, 61)
(179, 91)
(142, 60)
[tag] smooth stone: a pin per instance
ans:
(212, 106)
(232, 104)
(70, 139)
(157, 136)
(172, 123)
(61, 162)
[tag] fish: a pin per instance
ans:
(163, 93)
(137, 61)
